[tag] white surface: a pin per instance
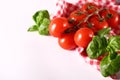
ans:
(29, 56)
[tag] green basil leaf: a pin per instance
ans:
(43, 28)
(111, 52)
(97, 47)
(40, 15)
(33, 28)
(108, 66)
(114, 43)
(104, 31)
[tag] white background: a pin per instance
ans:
(29, 56)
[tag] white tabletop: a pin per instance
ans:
(29, 56)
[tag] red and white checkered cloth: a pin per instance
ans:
(64, 8)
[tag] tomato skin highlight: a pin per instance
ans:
(58, 26)
(83, 36)
(66, 41)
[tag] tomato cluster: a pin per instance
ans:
(82, 24)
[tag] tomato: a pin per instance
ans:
(119, 20)
(83, 36)
(58, 26)
(101, 57)
(83, 53)
(118, 52)
(111, 17)
(83, 24)
(101, 24)
(98, 23)
(66, 41)
(90, 7)
(77, 16)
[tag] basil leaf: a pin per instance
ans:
(108, 66)
(40, 15)
(114, 43)
(33, 28)
(43, 29)
(42, 20)
(104, 31)
(97, 47)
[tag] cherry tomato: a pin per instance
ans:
(111, 17)
(82, 51)
(101, 57)
(58, 26)
(119, 20)
(83, 36)
(118, 52)
(98, 23)
(90, 7)
(66, 41)
(101, 24)
(83, 24)
(84, 54)
(77, 16)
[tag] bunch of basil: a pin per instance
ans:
(42, 21)
(105, 44)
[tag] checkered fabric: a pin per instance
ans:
(65, 8)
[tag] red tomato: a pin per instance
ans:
(66, 41)
(89, 7)
(111, 17)
(77, 16)
(98, 23)
(118, 52)
(83, 24)
(119, 20)
(83, 36)
(83, 53)
(101, 24)
(101, 57)
(58, 26)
